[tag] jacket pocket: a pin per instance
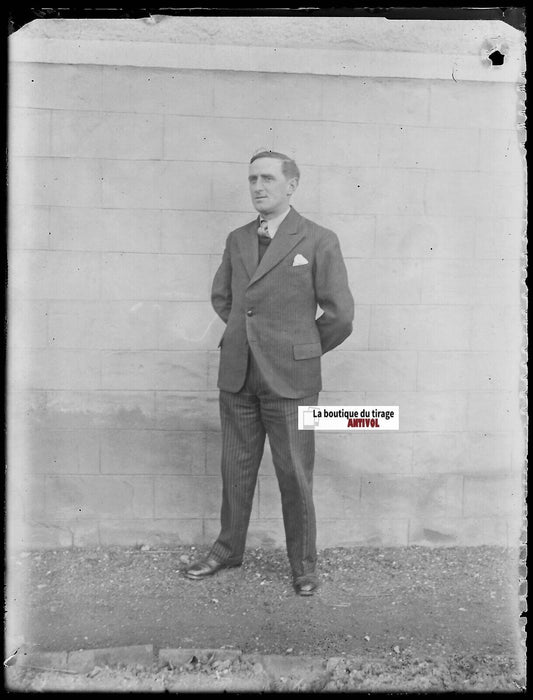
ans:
(306, 351)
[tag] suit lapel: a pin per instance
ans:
(286, 238)
(247, 243)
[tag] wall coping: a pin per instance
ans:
(71, 42)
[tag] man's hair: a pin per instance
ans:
(288, 165)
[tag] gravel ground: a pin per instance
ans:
(455, 674)
(386, 618)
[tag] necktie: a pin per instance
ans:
(263, 228)
(263, 238)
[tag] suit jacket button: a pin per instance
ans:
(250, 312)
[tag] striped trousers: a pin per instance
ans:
(247, 417)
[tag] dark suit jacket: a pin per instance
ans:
(271, 308)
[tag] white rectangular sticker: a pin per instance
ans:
(348, 418)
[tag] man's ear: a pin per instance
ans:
(293, 184)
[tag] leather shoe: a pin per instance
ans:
(305, 587)
(206, 567)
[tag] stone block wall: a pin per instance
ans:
(123, 185)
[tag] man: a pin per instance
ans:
(274, 272)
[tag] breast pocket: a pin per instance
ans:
(299, 269)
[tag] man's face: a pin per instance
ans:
(269, 188)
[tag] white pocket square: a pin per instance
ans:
(299, 260)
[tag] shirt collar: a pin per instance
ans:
(274, 224)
